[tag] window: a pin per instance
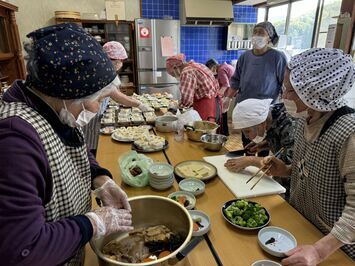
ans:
(301, 25)
(261, 14)
(277, 16)
(331, 9)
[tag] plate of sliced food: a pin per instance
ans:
(150, 143)
(129, 134)
(195, 169)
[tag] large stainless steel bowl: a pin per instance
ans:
(149, 211)
(196, 129)
(213, 142)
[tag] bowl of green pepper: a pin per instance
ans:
(245, 215)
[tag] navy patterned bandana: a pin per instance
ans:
(70, 64)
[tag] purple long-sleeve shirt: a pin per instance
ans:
(26, 186)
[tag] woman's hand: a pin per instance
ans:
(108, 220)
(238, 164)
(278, 167)
(112, 195)
(306, 255)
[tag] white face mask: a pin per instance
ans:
(259, 139)
(68, 118)
(291, 108)
(84, 117)
(259, 42)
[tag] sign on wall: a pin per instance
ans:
(115, 9)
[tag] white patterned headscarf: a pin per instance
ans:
(321, 77)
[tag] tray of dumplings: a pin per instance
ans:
(150, 143)
(130, 134)
(156, 100)
(109, 117)
(134, 116)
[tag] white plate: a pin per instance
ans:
(205, 222)
(189, 196)
(192, 185)
(283, 240)
(212, 171)
(265, 263)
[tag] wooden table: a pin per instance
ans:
(233, 247)
(108, 153)
(237, 247)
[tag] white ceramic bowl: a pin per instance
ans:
(205, 222)
(265, 263)
(282, 240)
(192, 185)
(189, 196)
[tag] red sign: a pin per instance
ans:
(144, 32)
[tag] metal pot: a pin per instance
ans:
(166, 123)
(149, 211)
(213, 142)
(196, 129)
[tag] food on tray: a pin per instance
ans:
(144, 245)
(136, 110)
(137, 117)
(130, 133)
(150, 142)
(156, 100)
(150, 116)
(196, 171)
(246, 214)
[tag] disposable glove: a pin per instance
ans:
(112, 195)
(143, 107)
(108, 220)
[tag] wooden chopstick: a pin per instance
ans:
(261, 177)
(265, 166)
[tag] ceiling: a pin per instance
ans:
(249, 2)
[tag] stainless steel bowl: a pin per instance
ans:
(149, 211)
(213, 142)
(196, 129)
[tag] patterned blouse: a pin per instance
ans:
(281, 133)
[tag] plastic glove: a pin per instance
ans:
(108, 220)
(226, 102)
(143, 107)
(112, 195)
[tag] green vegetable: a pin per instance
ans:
(246, 214)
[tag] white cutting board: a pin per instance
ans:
(236, 181)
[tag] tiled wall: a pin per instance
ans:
(160, 8)
(200, 43)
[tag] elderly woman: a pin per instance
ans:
(198, 87)
(267, 126)
(260, 71)
(223, 73)
(46, 171)
(322, 170)
(117, 53)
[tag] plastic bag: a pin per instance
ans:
(189, 116)
(134, 169)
